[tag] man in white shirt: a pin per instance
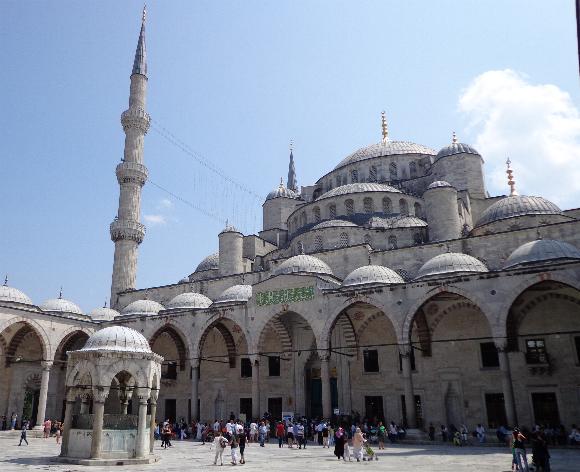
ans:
(216, 426)
(253, 431)
(480, 431)
(219, 443)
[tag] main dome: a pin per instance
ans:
(456, 148)
(372, 274)
(210, 262)
(142, 307)
(189, 300)
(450, 263)
(387, 148)
(303, 263)
(517, 205)
(103, 314)
(359, 187)
(13, 295)
(117, 338)
(235, 293)
(60, 305)
(542, 250)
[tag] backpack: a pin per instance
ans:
(223, 442)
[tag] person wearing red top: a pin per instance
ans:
(280, 433)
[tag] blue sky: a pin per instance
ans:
(235, 81)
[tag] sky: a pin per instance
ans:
(230, 84)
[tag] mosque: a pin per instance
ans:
(393, 287)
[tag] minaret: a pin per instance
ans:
(292, 184)
(126, 230)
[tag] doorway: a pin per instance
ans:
(170, 409)
(374, 409)
(30, 408)
(275, 408)
(545, 408)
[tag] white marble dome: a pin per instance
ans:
(282, 192)
(439, 184)
(103, 314)
(61, 305)
(386, 148)
(542, 250)
(189, 300)
(359, 187)
(372, 274)
(517, 205)
(13, 295)
(117, 338)
(450, 263)
(303, 263)
(235, 293)
(456, 148)
(334, 224)
(210, 262)
(142, 307)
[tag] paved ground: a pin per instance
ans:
(188, 456)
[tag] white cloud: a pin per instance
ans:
(536, 125)
(155, 220)
(164, 203)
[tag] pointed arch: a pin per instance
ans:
(39, 330)
(278, 327)
(72, 337)
(176, 337)
(228, 339)
(16, 341)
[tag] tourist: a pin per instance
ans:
(518, 440)
(574, 436)
(234, 448)
(253, 432)
(339, 439)
(357, 444)
(4, 423)
(262, 432)
(443, 433)
(23, 433)
(540, 454)
(325, 432)
(501, 434)
(13, 419)
(220, 444)
(47, 427)
(280, 432)
(319, 427)
(290, 434)
(58, 432)
(300, 435)
(242, 444)
(381, 433)
(346, 448)
(199, 430)
(392, 432)
(480, 431)
(431, 432)
(464, 434)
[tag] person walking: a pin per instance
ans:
(339, 439)
(325, 434)
(58, 432)
(47, 426)
(262, 432)
(280, 432)
(357, 444)
(234, 448)
(242, 443)
(23, 433)
(519, 448)
(253, 432)
(219, 444)
(300, 436)
(381, 433)
(13, 419)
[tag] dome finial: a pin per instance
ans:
(511, 181)
(385, 129)
(454, 139)
(105, 305)
(144, 13)
(281, 182)
(291, 145)
(5, 280)
(60, 293)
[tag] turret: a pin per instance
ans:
(231, 245)
(441, 211)
(127, 232)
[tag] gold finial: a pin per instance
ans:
(291, 145)
(385, 129)
(144, 13)
(281, 182)
(454, 139)
(511, 181)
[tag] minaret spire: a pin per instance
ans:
(511, 181)
(384, 127)
(127, 232)
(292, 184)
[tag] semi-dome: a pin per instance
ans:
(334, 224)
(456, 148)
(117, 338)
(142, 307)
(386, 148)
(189, 300)
(303, 263)
(236, 293)
(61, 305)
(209, 263)
(359, 187)
(439, 184)
(103, 314)
(394, 222)
(517, 205)
(372, 274)
(450, 263)
(13, 295)
(282, 192)
(541, 251)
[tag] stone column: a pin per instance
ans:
(124, 400)
(325, 379)
(153, 403)
(40, 417)
(142, 436)
(99, 397)
(67, 424)
(85, 401)
(405, 352)
(194, 390)
(507, 385)
(256, 389)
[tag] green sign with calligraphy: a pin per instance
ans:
(286, 295)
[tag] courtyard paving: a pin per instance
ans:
(193, 456)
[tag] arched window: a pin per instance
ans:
(303, 219)
(338, 180)
(413, 169)
(368, 205)
(343, 241)
(349, 205)
(316, 212)
(387, 205)
(318, 244)
(354, 175)
(392, 242)
(295, 223)
(393, 171)
(299, 248)
(332, 211)
(368, 240)
(418, 238)
(418, 210)
(373, 174)
(403, 207)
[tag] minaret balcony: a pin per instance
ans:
(136, 118)
(131, 172)
(127, 229)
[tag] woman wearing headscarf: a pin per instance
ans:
(357, 444)
(339, 439)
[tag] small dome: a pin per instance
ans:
(142, 307)
(517, 205)
(60, 305)
(542, 250)
(439, 184)
(395, 222)
(303, 263)
(103, 314)
(450, 263)
(189, 300)
(372, 274)
(236, 293)
(388, 148)
(184, 280)
(334, 224)
(13, 295)
(456, 148)
(282, 192)
(358, 188)
(209, 263)
(117, 338)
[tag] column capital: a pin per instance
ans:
(100, 394)
(143, 394)
(325, 357)
(154, 396)
(46, 365)
(405, 350)
(71, 394)
(501, 346)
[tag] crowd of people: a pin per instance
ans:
(50, 428)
